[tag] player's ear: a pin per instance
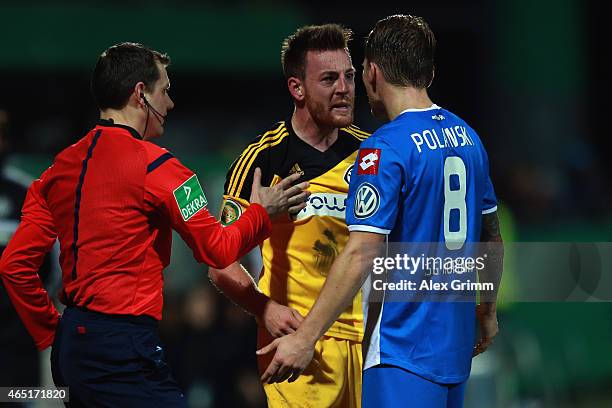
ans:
(296, 88)
(433, 74)
(138, 92)
(371, 75)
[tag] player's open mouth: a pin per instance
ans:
(342, 107)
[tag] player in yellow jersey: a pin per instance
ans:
(319, 142)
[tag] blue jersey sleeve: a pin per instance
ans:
(375, 189)
(489, 200)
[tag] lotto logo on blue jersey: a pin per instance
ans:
(368, 161)
(367, 200)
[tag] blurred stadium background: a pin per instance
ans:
(530, 76)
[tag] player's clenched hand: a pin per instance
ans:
(486, 314)
(293, 354)
(279, 319)
(281, 197)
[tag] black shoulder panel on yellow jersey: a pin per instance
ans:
(280, 152)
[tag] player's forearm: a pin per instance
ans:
(237, 285)
(493, 246)
(344, 280)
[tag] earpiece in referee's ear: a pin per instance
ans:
(143, 99)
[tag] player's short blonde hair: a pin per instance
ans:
(325, 37)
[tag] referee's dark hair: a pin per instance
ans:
(120, 68)
(403, 47)
(327, 37)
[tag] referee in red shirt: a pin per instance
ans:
(112, 199)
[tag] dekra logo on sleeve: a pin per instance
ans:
(190, 198)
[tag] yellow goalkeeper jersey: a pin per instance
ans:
(301, 249)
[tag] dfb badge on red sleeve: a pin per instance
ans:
(368, 161)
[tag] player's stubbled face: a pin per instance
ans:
(329, 87)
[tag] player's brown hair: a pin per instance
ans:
(327, 37)
(403, 47)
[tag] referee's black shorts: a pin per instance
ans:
(112, 361)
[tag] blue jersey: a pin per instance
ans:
(423, 177)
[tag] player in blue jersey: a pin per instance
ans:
(421, 178)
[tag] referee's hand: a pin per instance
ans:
(281, 197)
(279, 319)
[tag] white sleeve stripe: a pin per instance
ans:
(489, 210)
(368, 228)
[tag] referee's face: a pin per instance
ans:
(160, 104)
(329, 87)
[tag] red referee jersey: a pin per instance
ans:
(112, 200)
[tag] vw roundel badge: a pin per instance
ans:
(367, 200)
